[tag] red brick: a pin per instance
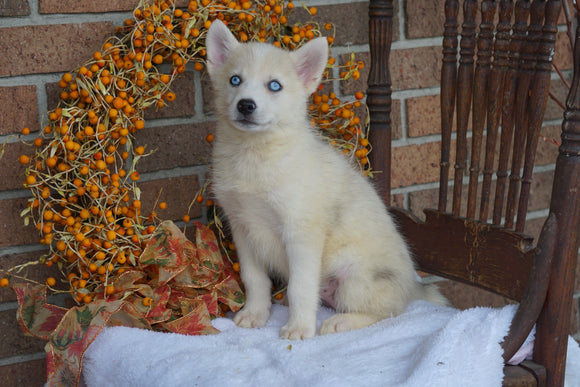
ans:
(419, 200)
(74, 6)
(37, 273)
(50, 48)
(12, 229)
(424, 18)
(177, 192)
(396, 120)
(13, 340)
(52, 95)
(31, 373)
(207, 92)
(398, 200)
(14, 8)
(416, 68)
(415, 164)
(423, 115)
(11, 171)
(18, 108)
(350, 21)
(175, 146)
(90, 6)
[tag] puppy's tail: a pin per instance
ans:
(431, 293)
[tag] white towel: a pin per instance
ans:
(428, 345)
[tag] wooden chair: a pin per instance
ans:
(505, 85)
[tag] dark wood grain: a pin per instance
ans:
(469, 251)
(464, 95)
(379, 92)
(448, 87)
(495, 101)
(519, 29)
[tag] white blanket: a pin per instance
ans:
(428, 345)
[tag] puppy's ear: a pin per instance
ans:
(310, 61)
(218, 42)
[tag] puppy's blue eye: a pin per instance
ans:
(274, 86)
(235, 80)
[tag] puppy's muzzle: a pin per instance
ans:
(246, 106)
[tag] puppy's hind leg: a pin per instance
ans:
(342, 322)
(365, 297)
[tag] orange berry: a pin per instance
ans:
(4, 282)
(135, 176)
(236, 266)
(110, 289)
(30, 179)
(48, 215)
(163, 205)
(147, 301)
(23, 159)
(209, 138)
(186, 218)
(199, 198)
(111, 235)
(25, 131)
(101, 165)
(50, 281)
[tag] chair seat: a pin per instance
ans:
(526, 374)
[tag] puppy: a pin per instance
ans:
(296, 207)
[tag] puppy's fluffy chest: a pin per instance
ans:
(269, 172)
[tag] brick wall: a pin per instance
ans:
(42, 39)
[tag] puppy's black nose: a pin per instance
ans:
(246, 106)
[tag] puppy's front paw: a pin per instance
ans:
(251, 318)
(297, 331)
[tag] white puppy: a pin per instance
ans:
(297, 208)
